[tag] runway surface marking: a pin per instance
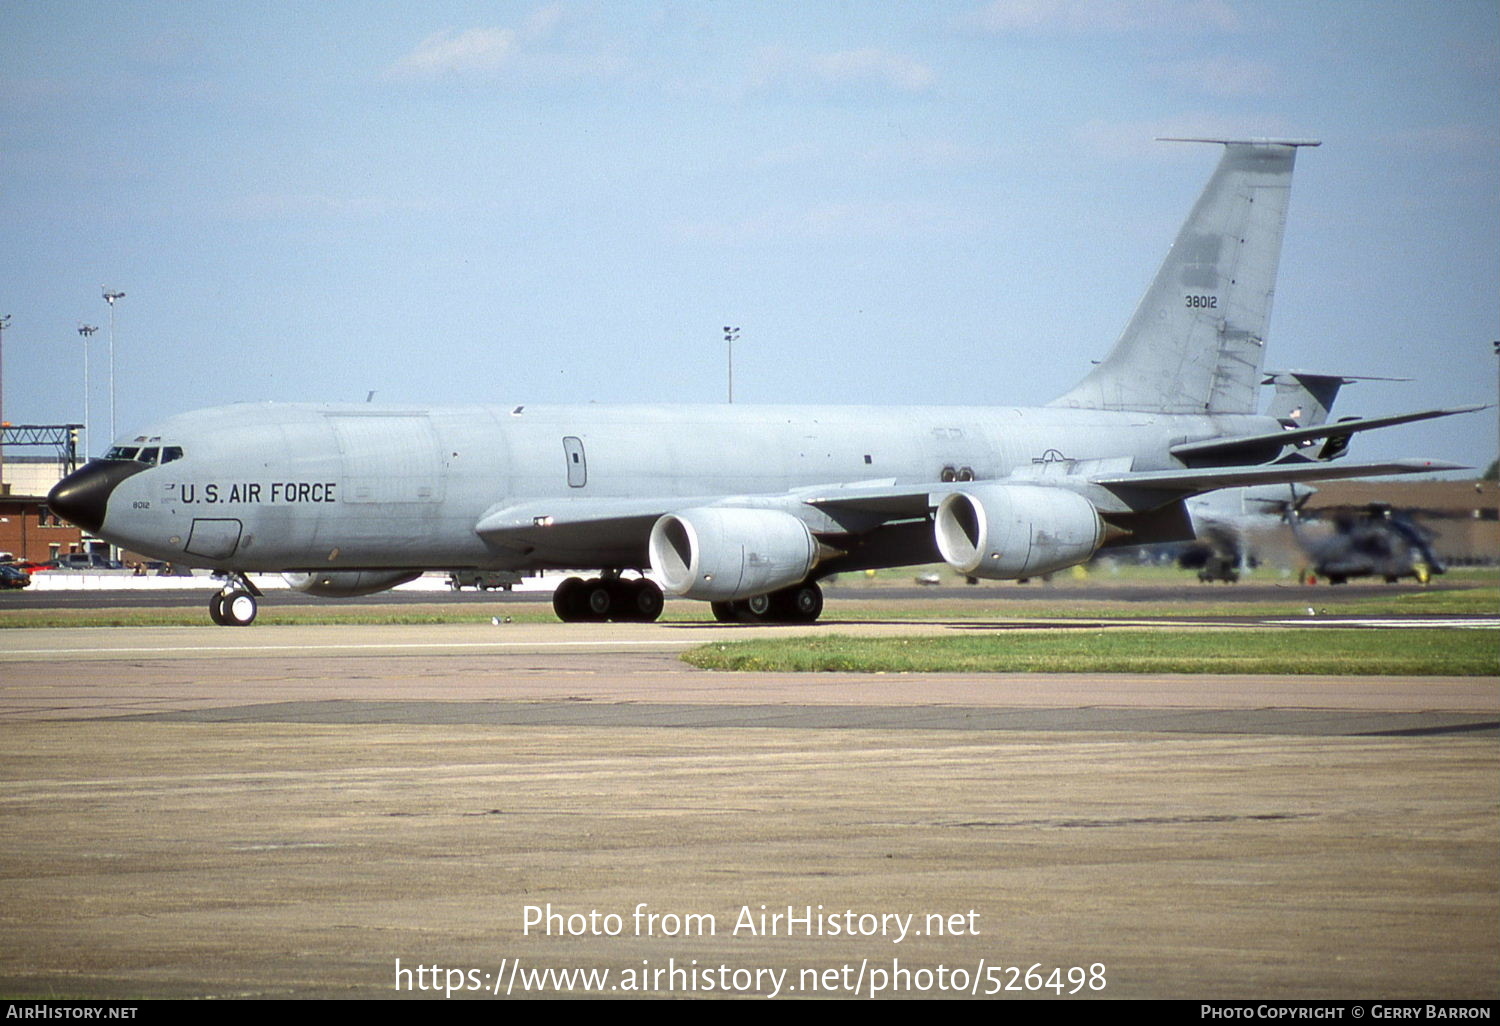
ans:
(1469, 623)
(177, 642)
(1140, 721)
(382, 646)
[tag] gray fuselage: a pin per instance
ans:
(287, 487)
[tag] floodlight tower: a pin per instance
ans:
(4, 323)
(110, 297)
(730, 335)
(87, 331)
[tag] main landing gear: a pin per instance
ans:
(801, 603)
(235, 605)
(607, 598)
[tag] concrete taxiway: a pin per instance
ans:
(289, 811)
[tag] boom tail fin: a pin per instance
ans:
(1196, 342)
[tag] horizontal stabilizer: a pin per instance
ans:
(1245, 142)
(1306, 397)
(1343, 379)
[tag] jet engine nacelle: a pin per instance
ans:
(722, 554)
(1004, 532)
(349, 583)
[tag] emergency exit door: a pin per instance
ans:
(578, 467)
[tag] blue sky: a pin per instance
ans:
(937, 202)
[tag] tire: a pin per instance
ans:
(598, 599)
(725, 612)
(646, 601)
(567, 600)
(238, 608)
(757, 608)
(216, 609)
(802, 603)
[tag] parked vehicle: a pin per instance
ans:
(484, 580)
(13, 576)
(86, 561)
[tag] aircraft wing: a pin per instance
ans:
(560, 527)
(624, 523)
(1208, 479)
(551, 523)
(561, 530)
(567, 532)
(885, 501)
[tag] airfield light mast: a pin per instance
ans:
(87, 331)
(110, 297)
(730, 335)
(4, 323)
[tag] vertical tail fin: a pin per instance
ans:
(1196, 343)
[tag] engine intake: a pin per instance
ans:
(1004, 532)
(722, 554)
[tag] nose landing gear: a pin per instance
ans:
(235, 605)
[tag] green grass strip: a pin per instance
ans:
(855, 606)
(1416, 652)
(867, 605)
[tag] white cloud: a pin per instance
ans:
(473, 51)
(846, 67)
(543, 21)
(1176, 16)
(920, 153)
(1224, 76)
(1453, 138)
(302, 206)
(844, 220)
(543, 47)
(873, 65)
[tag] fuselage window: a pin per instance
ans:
(149, 456)
(170, 453)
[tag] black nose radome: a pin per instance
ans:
(83, 496)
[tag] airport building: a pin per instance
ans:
(29, 531)
(1464, 516)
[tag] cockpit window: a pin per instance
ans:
(150, 455)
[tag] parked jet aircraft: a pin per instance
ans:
(748, 507)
